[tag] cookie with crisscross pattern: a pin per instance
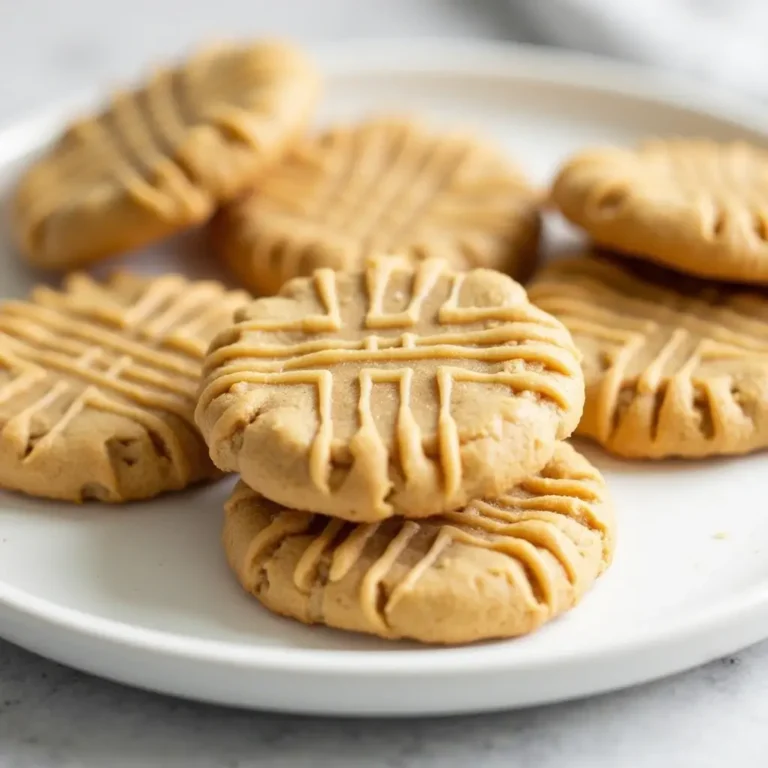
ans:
(162, 157)
(496, 568)
(98, 386)
(404, 389)
(673, 366)
(386, 185)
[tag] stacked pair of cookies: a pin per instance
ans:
(670, 314)
(398, 432)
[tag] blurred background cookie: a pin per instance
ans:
(162, 157)
(496, 568)
(691, 204)
(386, 185)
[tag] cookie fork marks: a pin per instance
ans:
(385, 185)
(380, 411)
(691, 204)
(97, 364)
(495, 568)
(164, 156)
(673, 367)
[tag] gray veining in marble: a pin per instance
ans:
(52, 716)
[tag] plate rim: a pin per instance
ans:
(449, 57)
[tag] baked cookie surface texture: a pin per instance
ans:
(691, 204)
(98, 385)
(383, 186)
(162, 158)
(673, 366)
(404, 389)
(496, 568)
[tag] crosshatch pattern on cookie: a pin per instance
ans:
(673, 366)
(381, 368)
(692, 204)
(162, 157)
(129, 349)
(535, 550)
(384, 186)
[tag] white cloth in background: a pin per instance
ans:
(725, 41)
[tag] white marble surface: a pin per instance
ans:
(51, 716)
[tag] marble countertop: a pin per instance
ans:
(51, 716)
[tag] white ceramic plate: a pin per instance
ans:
(141, 593)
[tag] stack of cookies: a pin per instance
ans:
(673, 321)
(398, 432)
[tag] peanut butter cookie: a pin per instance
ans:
(673, 366)
(98, 385)
(693, 205)
(162, 158)
(496, 568)
(383, 186)
(404, 389)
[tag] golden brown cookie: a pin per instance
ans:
(673, 366)
(690, 204)
(405, 389)
(161, 158)
(496, 568)
(383, 186)
(98, 385)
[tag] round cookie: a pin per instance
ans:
(691, 204)
(98, 386)
(405, 389)
(496, 568)
(383, 186)
(673, 366)
(162, 158)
